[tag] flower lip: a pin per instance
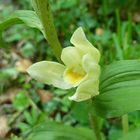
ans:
(74, 76)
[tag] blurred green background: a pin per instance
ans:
(112, 26)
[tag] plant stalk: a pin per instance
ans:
(95, 126)
(104, 9)
(118, 27)
(125, 124)
(94, 122)
(43, 10)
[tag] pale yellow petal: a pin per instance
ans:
(70, 56)
(91, 67)
(50, 73)
(80, 41)
(86, 90)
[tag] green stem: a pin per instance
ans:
(129, 28)
(94, 121)
(95, 125)
(125, 123)
(104, 9)
(15, 116)
(33, 104)
(43, 10)
(118, 26)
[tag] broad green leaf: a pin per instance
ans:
(55, 131)
(133, 135)
(119, 89)
(26, 17)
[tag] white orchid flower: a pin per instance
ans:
(80, 69)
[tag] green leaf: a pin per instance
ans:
(21, 101)
(119, 89)
(26, 17)
(14, 137)
(55, 131)
(23, 126)
(119, 50)
(133, 135)
(28, 117)
(81, 116)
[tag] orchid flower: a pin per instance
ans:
(80, 68)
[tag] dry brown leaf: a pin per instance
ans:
(45, 96)
(136, 17)
(9, 95)
(3, 126)
(99, 31)
(22, 65)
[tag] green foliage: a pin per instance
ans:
(134, 119)
(22, 16)
(21, 101)
(5, 76)
(119, 89)
(135, 135)
(53, 131)
(81, 116)
(27, 50)
(31, 120)
(13, 137)
(115, 133)
(27, 17)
